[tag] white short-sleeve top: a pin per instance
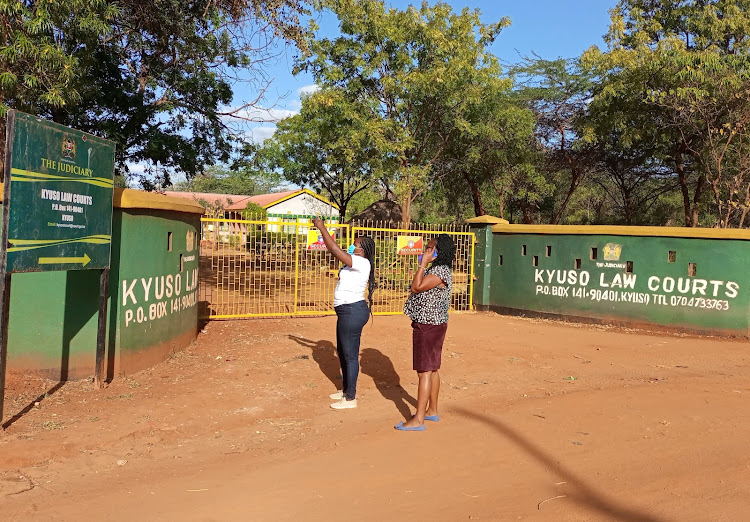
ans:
(352, 282)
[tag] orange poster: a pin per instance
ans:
(409, 245)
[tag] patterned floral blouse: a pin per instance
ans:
(431, 306)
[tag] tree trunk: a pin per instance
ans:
(476, 196)
(501, 199)
(745, 207)
(406, 210)
(574, 182)
(599, 212)
(528, 212)
(576, 176)
(696, 200)
(743, 216)
(680, 166)
(342, 213)
(628, 209)
(407, 197)
(2, 147)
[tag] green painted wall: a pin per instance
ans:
(633, 280)
(53, 319)
(152, 305)
(155, 289)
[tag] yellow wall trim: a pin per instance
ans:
(129, 198)
(608, 230)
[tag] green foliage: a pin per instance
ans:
(255, 212)
(418, 71)
(558, 92)
(36, 68)
(675, 79)
(333, 145)
(214, 209)
(156, 77)
(362, 200)
(219, 179)
(120, 181)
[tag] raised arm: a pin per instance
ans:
(331, 245)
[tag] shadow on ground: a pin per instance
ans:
(579, 491)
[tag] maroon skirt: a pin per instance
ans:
(428, 345)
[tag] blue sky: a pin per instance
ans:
(549, 28)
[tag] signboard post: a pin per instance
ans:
(57, 211)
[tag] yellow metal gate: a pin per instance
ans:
(266, 268)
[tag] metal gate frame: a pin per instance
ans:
(410, 263)
(262, 268)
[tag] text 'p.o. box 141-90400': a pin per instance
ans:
(60, 197)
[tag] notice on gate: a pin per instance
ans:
(59, 196)
(409, 245)
(315, 239)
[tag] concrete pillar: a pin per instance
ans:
(482, 228)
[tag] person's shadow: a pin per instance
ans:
(323, 353)
(378, 366)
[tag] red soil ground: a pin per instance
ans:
(539, 421)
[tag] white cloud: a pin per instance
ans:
(307, 90)
(136, 168)
(260, 134)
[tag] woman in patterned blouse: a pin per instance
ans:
(427, 306)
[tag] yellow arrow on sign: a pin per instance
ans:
(64, 260)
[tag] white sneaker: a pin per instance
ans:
(343, 404)
(337, 396)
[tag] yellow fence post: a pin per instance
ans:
(471, 272)
(296, 269)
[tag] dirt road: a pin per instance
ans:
(539, 421)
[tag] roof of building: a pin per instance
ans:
(240, 201)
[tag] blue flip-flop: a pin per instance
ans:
(400, 426)
(433, 418)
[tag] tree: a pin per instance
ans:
(35, 68)
(414, 68)
(333, 146)
(524, 186)
(255, 212)
(558, 92)
(635, 181)
(221, 180)
(678, 68)
(159, 80)
(491, 134)
(714, 103)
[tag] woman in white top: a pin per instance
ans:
(353, 312)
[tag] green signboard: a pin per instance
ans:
(60, 194)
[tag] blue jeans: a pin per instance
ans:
(351, 319)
